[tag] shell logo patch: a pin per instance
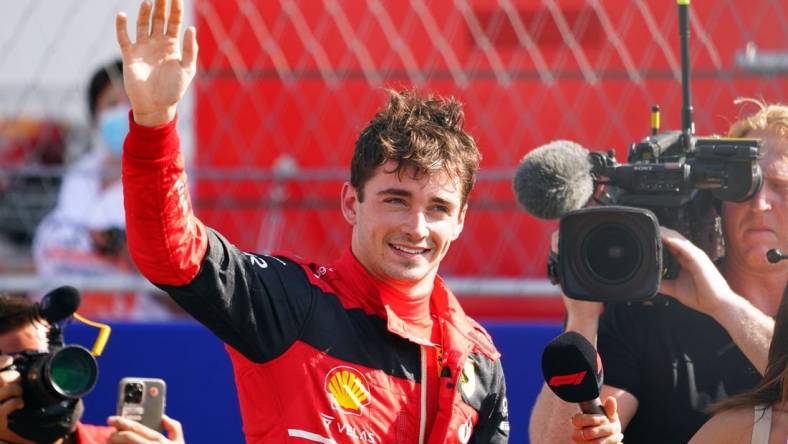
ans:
(347, 389)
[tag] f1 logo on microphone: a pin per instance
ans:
(571, 379)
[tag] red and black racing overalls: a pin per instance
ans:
(317, 355)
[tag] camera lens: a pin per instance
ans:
(133, 393)
(73, 371)
(612, 253)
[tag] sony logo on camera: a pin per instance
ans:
(613, 252)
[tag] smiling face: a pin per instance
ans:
(403, 226)
(757, 225)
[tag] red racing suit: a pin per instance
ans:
(317, 355)
(92, 434)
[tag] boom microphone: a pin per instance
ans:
(554, 179)
(573, 371)
(58, 304)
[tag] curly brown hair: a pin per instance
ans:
(422, 135)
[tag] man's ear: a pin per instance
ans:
(461, 222)
(349, 203)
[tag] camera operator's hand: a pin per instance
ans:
(10, 391)
(132, 432)
(699, 285)
(582, 316)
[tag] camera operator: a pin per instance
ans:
(665, 362)
(20, 330)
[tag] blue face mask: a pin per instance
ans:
(113, 125)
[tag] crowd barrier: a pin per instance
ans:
(201, 389)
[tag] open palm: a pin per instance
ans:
(156, 73)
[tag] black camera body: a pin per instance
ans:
(53, 381)
(613, 252)
(62, 374)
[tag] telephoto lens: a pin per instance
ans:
(66, 373)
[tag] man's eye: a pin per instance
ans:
(395, 200)
(442, 209)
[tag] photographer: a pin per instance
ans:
(664, 361)
(20, 330)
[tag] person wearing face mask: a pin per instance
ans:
(85, 234)
(21, 330)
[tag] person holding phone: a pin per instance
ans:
(142, 400)
(21, 331)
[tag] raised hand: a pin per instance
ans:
(156, 73)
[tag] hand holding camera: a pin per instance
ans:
(701, 286)
(10, 390)
(581, 315)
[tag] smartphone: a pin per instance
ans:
(142, 400)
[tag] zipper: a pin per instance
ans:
(423, 415)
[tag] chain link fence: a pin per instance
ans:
(285, 86)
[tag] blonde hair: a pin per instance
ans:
(771, 117)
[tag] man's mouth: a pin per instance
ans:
(760, 230)
(409, 250)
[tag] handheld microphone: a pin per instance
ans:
(554, 179)
(573, 371)
(774, 255)
(58, 304)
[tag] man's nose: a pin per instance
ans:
(762, 201)
(416, 225)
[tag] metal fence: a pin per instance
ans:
(284, 86)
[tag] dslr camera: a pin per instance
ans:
(63, 373)
(53, 381)
(613, 251)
